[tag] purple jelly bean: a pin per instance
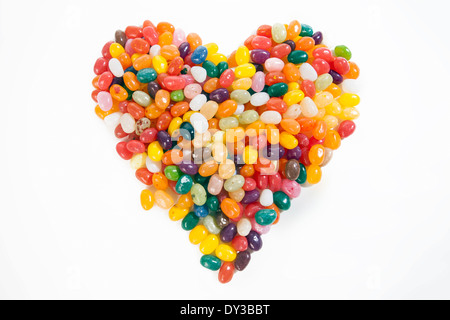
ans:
(337, 78)
(251, 196)
(153, 87)
(318, 37)
(254, 241)
(228, 233)
(242, 260)
(219, 95)
(259, 56)
(188, 168)
(165, 140)
(184, 49)
(295, 153)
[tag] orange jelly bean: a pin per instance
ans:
(230, 208)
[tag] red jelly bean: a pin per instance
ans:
(226, 272)
(149, 135)
(261, 180)
(252, 209)
(341, 66)
(119, 133)
(309, 88)
(136, 146)
(277, 104)
(175, 66)
(105, 51)
(260, 42)
(321, 66)
(133, 32)
(101, 65)
(164, 121)
(136, 110)
(239, 243)
(123, 106)
(227, 78)
(94, 95)
(265, 31)
(249, 184)
(173, 83)
(346, 129)
(325, 54)
(105, 80)
(275, 182)
(303, 140)
(144, 176)
(123, 152)
(304, 158)
(140, 46)
(281, 51)
(274, 78)
(151, 35)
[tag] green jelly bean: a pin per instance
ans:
(307, 31)
(211, 69)
(190, 221)
(278, 90)
(173, 173)
(297, 56)
(265, 217)
(228, 123)
(234, 183)
(184, 184)
(240, 96)
(211, 262)
(198, 194)
(323, 81)
(343, 51)
(210, 224)
(201, 180)
(282, 200)
(177, 95)
(187, 131)
(302, 177)
(222, 66)
(147, 75)
(213, 203)
(248, 117)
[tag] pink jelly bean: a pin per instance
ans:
(291, 188)
(178, 37)
(192, 90)
(105, 101)
(258, 228)
(274, 65)
(258, 81)
(188, 78)
(128, 48)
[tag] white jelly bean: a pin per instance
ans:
(116, 68)
(128, 123)
(197, 103)
(199, 74)
(259, 99)
(271, 117)
(350, 86)
(309, 108)
(266, 198)
(113, 120)
(274, 64)
(155, 51)
(239, 110)
(105, 101)
(153, 166)
(307, 72)
(199, 123)
(293, 112)
(244, 226)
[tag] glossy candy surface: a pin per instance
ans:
(225, 143)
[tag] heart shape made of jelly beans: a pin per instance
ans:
(226, 142)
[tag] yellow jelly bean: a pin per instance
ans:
(246, 70)
(334, 108)
(198, 234)
(293, 86)
(288, 141)
(273, 134)
(242, 84)
(293, 97)
(187, 116)
(350, 114)
(116, 50)
(174, 125)
(226, 253)
(147, 199)
(138, 161)
(250, 155)
(323, 99)
(212, 49)
(136, 56)
(217, 58)
(219, 152)
(155, 151)
(314, 174)
(163, 199)
(349, 100)
(160, 64)
(219, 137)
(176, 213)
(331, 121)
(209, 244)
(242, 55)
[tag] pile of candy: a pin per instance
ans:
(225, 143)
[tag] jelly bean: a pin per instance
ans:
(228, 233)
(292, 170)
(199, 122)
(163, 199)
(219, 95)
(188, 168)
(226, 272)
(198, 234)
(307, 72)
(230, 208)
(199, 55)
(343, 51)
(225, 252)
(254, 241)
(210, 262)
(242, 260)
(155, 151)
(147, 199)
(176, 213)
(184, 184)
(246, 70)
(297, 57)
(251, 196)
(265, 217)
(291, 188)
(201, 211)
(279, 33)
(278, 90)
(354, 71)
(271, 117)
(198, 193)
(209, 244)
(190, 221)
(349, 100)
(213, 203)
(346, 129)
(337, 78)
(281, 200)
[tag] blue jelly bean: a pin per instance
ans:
(199, 55)
(201, 211)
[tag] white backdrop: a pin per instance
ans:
(71, 225)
